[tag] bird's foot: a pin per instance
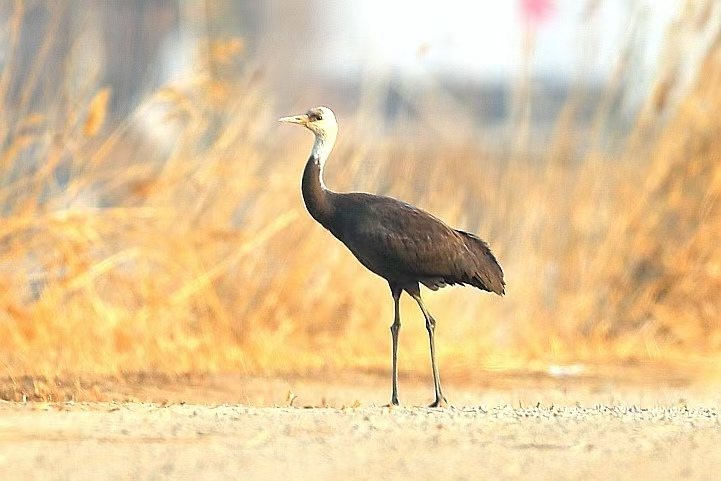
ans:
(440, 402)
(394, 403)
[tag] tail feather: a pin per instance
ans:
(486, 273)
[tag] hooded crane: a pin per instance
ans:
(401, 243)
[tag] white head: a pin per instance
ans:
(321, 121)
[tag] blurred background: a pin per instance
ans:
(151, 211)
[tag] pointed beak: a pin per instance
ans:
(298, 119)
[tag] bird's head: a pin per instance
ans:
(320, 120)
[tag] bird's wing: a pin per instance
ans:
(389, 236)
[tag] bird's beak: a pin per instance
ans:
(298, 119)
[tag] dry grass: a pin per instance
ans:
(197, 256)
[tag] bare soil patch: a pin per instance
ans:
(503, 427)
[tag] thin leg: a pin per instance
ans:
(395, 328)
(430, 327)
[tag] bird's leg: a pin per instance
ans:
(430, 327)
(395, 328)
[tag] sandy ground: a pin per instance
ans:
(517, 427)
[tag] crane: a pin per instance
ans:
(397, 241)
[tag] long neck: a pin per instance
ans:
(318, 199)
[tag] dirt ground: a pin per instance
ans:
(521, 426)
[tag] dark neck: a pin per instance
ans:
(318, 200)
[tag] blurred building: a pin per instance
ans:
(485, 63)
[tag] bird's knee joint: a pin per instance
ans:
(430, 324)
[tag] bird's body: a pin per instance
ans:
(401, 243)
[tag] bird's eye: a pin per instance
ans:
(319, 117)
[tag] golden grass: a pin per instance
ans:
(197, 256)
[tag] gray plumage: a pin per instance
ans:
(401, 243)
(407, 245)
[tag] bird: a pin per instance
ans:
(401, 243)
